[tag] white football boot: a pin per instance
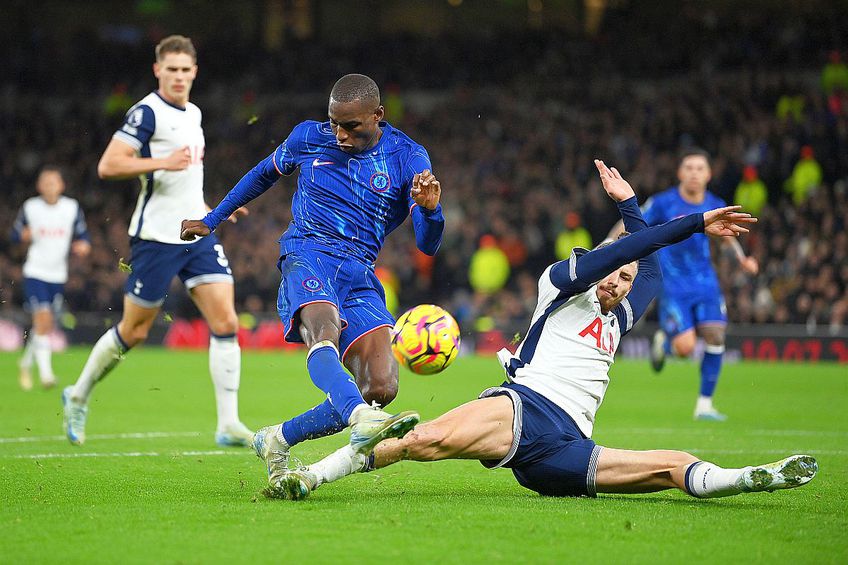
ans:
(25, 377)
(234, 435)
(658, 351)
(74, 415)
(294, 484)
(271, 450)
(791, 472)
(370, 426)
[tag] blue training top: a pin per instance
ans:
(345, 202)
(687, 266)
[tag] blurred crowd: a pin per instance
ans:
(511, 141)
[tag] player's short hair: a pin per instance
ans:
(695, 152)
(607, 242)
(52, 168)
(175, 44)
(353, 87)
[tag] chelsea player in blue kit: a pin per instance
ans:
(359, 180)
(691, 303)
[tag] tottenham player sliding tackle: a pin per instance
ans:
(539, 422)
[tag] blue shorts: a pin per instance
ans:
(155, 264)
(42, 295)
(549, 454)
(680, 313)
(311, 276)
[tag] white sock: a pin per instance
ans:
(355, 413)
(225, 368)
(43, 353)
(280, 437)
(29, 352)
(105, 354)
(339, 464)
(704, 404)
(707, 480)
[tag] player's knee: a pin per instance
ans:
(715, 339)
(133, 335)
(225, 325)
(684, 346)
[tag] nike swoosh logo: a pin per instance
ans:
(317, 163)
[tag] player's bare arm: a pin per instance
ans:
(426, 190)
(749, 264)
(121, 161)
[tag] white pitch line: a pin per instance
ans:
(712, 431)
(127, 454)
(784, 452)
(132, 435)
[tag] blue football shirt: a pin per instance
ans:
(687, 266)
(348, 201)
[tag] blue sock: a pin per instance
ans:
(326, 371)
(667, 344)
(323, 420)
(710, 368)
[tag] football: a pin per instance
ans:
(425, 339)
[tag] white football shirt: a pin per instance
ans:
(155, 128)
(570, 352)
(53, 227)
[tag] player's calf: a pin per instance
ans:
(382, 392)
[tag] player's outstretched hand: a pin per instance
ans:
(426, 190)
(192, 229)
(617, 188)
(727, 221)
(234, 217)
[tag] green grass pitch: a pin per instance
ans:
(175, 497)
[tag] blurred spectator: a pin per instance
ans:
(834, 74)
(489, 268)
(751, 192)
(118, 101)
(790, 106)
(513, 150)
(393, 103)
(805, 178)
(573, 235)
(391, 286)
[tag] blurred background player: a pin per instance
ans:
(359, 179)
(52, 225)
(162, 143)
(539, 423)
(691, 303)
